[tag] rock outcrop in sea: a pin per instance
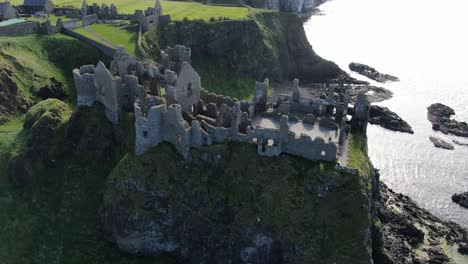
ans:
(440, 143)
(383, 117)
(461, 199)
(439, 115)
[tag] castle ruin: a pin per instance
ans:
(171, 106)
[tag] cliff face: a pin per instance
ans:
(269, 44)
(290, 6)
(226, 204)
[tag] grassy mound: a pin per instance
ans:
(35, 146)
(51, 111)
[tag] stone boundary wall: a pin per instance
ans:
(143, 53)
(108, 51)
(20, 29)
(71, 24)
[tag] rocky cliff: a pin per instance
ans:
(290, 6)
(226, 204)
(268, 44)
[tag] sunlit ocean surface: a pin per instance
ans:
(425, 44)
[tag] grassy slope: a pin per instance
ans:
(220, 80)
(54, 219)
(177, 10)
(36, 58)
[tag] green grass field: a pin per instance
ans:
(177, 10)
(114, 34)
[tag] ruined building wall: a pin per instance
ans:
(99, 84)
(165, 123)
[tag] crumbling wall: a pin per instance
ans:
(167, 124)
(209, 97)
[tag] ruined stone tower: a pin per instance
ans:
(361, 114)
(84, 8)
(261, 95)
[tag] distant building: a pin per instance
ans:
(38, 5)
(7, 11)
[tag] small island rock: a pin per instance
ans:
(461, 199)
(439, 143)
(439, 115)
(372, 73)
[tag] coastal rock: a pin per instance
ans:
(463, 249)
(461, 199)
(383, 117)
(439, 115)
(407, 230)
(440, 143)
(372, 73)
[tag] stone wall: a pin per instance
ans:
(140, 48)
(108, 51)
(20, 29)
(90, 19)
